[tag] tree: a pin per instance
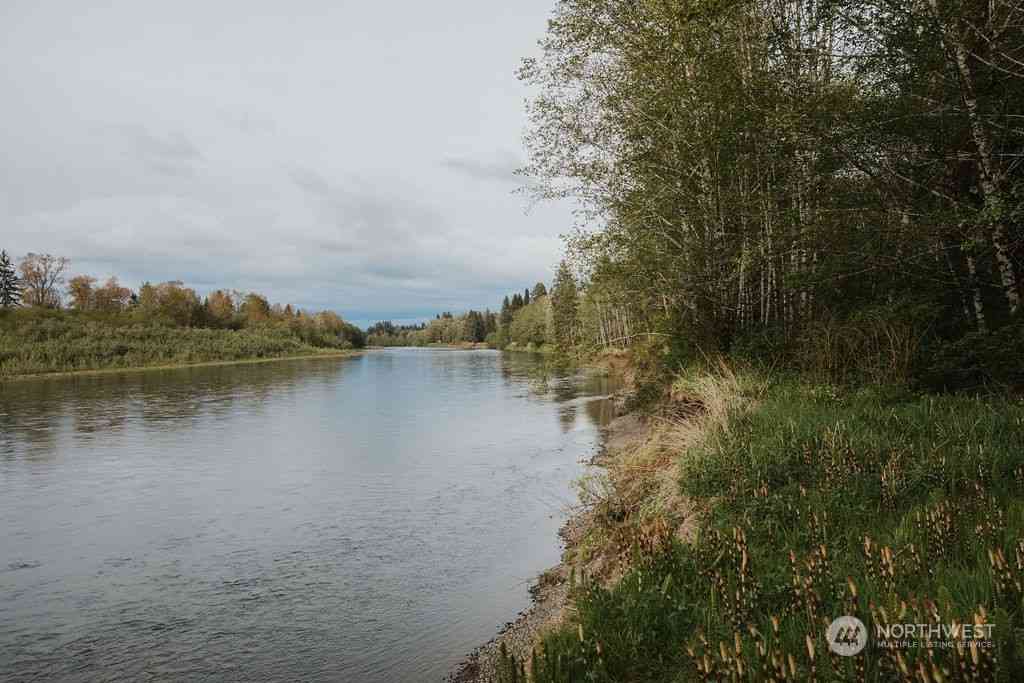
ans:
(563, 306)
(256, 309)
(539, 290)
(765, 168)
(80, 289)
(10, 288)
(221, 308)
(526, 296)
(530, 324)
(41, 278)
(474, 327)
(170, 302)
(505, 317)
(147, 298)
(111, 297)
(973, 36)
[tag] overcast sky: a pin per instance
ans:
(357, 156)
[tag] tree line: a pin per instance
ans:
(40, 283)
(532, 319)
(836, 183)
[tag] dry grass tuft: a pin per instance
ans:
(639, 488)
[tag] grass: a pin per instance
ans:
(65, 344)
(318, 354)
(816, 502)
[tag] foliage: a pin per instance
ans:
(530, 326)
(170, 302)
(473, 327)
(777, 171)
(36, 342)
(832, 186)
(110, 326)
(10, 287)
(41, 278)
(86, 296)
(524, 322)
(819, 502)
(563, 307)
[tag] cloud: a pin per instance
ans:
(505, 171)
(170, 154)
(271, 155)
(350, 244)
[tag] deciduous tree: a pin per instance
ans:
(112, 297)
(41, 278)
(81, 290)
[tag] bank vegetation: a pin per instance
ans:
(52, 323)
(808, 242)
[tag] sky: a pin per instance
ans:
(354, 156)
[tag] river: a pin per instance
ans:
(358, 519)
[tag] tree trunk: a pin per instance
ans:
(989, 176)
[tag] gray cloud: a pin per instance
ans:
(295, 153)
(500, 171)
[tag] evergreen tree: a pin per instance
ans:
(526, 297)
(10, 288)
(539, 290)
(506, 312)
(563, 306)
(475, 328)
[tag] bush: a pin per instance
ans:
(977, 360)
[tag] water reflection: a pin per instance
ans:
(334, 519)
(34, 413)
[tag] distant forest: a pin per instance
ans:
(527, 320)
(53, 322)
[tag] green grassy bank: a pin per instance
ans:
(807, 502)
(63, 342)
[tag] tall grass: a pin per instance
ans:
(64, 343)
(817, 503)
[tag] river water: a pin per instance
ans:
(362, 519)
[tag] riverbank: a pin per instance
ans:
(44, 342)
(459, 346)
(325, 354)
(730, 523)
